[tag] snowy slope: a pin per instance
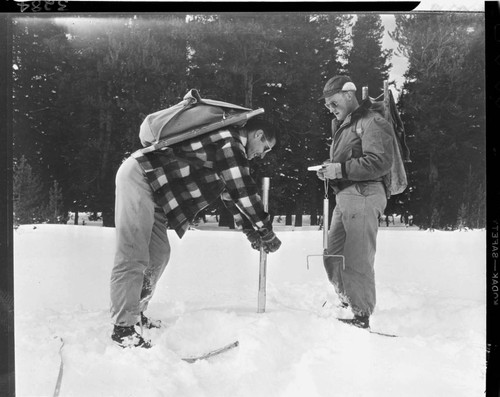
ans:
(431, 292)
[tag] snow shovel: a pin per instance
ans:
(325, 227)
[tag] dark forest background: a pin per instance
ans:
(82, 88)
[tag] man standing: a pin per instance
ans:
(169, 187)
(358, 170)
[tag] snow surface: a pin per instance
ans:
(431, 292)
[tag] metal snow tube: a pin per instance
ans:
(261, 303)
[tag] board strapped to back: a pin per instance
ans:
(190, 118)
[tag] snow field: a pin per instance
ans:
(430, 286)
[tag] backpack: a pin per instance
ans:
(190, 118)
(396, 181)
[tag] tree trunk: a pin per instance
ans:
(434, 214)
(108, 217)
(105, 148)
(76, 218)
(288, 218)
(314, 218)
(298, 213)
(298, 219)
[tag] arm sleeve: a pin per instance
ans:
(241, 221)
(377, 155)
(234, 170)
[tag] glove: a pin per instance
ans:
(270, 242)
(254, 237)
(330, 171)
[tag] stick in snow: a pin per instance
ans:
(212, 353)
(59, 377)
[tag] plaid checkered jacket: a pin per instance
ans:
(188, 176)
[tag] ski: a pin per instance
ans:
(382, 334)
(212, 353)
(370, 330)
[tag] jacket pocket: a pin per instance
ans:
(369, 188)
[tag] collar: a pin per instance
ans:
(361, 110)
(243, 137)
(358, 113)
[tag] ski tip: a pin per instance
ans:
(383, 334)
(370, 330)
(212, 353)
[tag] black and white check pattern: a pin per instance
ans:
(188, 176)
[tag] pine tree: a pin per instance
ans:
(38, 125)
(126, 68)
(80, 101)
(54, 210)
(233, 57)
(367, 63)
(462, 220)
(310, 44)
(27, 192)
(442, 107)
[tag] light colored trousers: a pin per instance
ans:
(353, 234)
(142, 247)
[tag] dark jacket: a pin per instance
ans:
(191, 175)
(363, 145)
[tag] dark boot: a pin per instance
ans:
(128, 337)
(148, 322)
(357, 321)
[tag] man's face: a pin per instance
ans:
(258, 145)
(340, 104)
